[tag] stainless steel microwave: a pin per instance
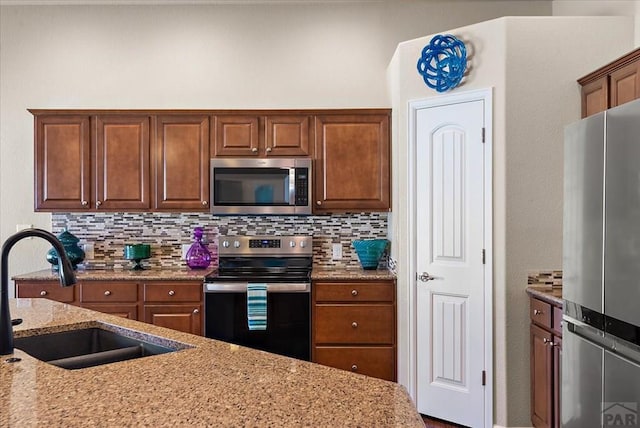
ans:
(261, 186)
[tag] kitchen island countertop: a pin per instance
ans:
(212, 384)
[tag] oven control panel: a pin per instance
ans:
(265, 245)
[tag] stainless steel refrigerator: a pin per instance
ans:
(601, 270)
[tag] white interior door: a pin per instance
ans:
(450, 294)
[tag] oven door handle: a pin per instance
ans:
(272, 287)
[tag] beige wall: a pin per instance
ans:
(531, 64)
(274, 55)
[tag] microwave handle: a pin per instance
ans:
(292, 186)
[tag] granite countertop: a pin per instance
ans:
(548, 294)
(212, 384)
(184, 274)
(327, 273)
(165, 274)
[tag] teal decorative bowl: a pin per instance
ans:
(370, 251)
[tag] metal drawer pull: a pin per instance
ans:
(254, 150)
(354, 368)
(107, 293)
(547, 342)
(354, 324)
(196, 311)
(43, 293)
(537, 312)
(354, 292)
(171, 292)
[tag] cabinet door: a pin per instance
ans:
(541, 377)
(557, 380)
(62, 163)
(182, 163)
(185, 318)
(352, 163)
(287, 136)
(595, 96)
(237, 136)
(122, 162)
(625, 84)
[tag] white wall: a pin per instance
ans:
(532, 65)
(275, 55)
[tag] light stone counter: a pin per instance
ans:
(212, 384)
(337, 274)
(178, 274)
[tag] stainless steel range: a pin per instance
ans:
(279, 264)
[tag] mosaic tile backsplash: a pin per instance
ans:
(167, 232)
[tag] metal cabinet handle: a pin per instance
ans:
(318, 202)
(254, 150)
(548, 342)
(205, 203)
(354, 368)
(107, 293)
(43, 293)
(171, 292)
(354, 324)
(98, 203)
(537, 312)
(269, 149)
(354, 292)
(196, 311)
(84, 203)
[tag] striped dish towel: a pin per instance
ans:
(257, 306)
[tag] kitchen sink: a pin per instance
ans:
(87, 347)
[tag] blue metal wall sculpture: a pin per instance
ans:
(443, 62)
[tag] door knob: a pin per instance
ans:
(424, 277)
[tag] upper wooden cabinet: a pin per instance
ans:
(611, 85)
(134, 160)
(262, 136)
(62, 163)
(352, 168)
(182, 163)
(91, 162)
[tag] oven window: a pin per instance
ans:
(251, 186)
(288, 323)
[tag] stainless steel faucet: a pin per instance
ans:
(67, 278)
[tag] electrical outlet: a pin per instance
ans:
(185, 248)
(336, 252)
(88, 251)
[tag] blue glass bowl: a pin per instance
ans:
(369, 251)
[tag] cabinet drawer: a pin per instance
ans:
(173, 292)
(557, 320)
(47, 289)
(123, 310)
(541, 313)
(108, 291)
(371, 361)
(354, 324)
(354, 291)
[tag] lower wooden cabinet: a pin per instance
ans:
(172, 304)
(176, 305)
(546, 363)
(354, 326)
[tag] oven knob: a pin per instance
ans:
(225, 244)
(236, 244)
(303, 244)
(292, 244)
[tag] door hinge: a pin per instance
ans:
(483, 129)
(484, 378)
(484, 257)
